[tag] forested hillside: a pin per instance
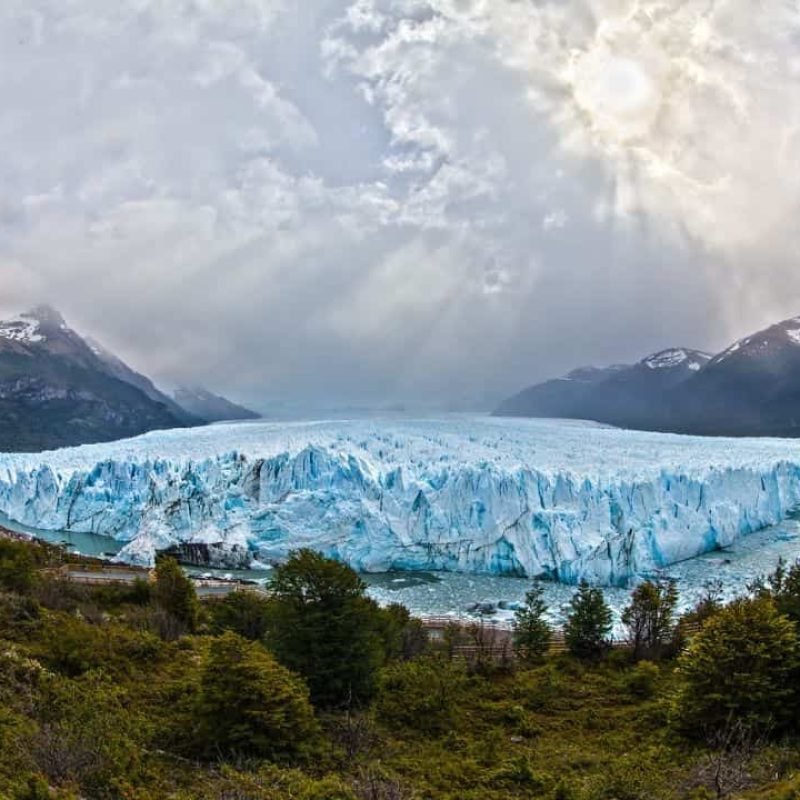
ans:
(143, 692)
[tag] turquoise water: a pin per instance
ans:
(452, 594)
(87, 544)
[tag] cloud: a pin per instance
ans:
(380, 200)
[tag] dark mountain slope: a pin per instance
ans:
(569, 397)
(632, 395)
(641, 395)
(56, 391)
(752, 388)
(211, 407)
(117, 368)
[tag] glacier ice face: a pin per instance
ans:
(565, 500)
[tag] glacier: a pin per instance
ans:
(561, 500)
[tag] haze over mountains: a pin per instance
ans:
(59, 389)
(209, 406)
(750, 389)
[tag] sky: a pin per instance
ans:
(427, 202)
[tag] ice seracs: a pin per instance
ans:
(564, 500)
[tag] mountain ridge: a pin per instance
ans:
(752, 388)
(210, 407)
(58, 389)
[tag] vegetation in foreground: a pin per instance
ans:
(315, 693)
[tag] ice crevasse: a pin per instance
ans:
(568, 501)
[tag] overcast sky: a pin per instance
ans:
(421, 201)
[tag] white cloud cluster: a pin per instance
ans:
(369, 200)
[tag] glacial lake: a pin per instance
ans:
(453, 594)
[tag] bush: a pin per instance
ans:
(588, 623)
(421, 695)
(72, 647)
(643, 679)
(783, 587)
(403, 636)
(324, 627)
(17, 566)
(249, 705)
(243, 612)
(740, 668)
(85, 734)
(174, 593)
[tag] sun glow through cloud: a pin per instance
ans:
(456, 193)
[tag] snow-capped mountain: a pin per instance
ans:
(211, 407)
(629, 395)
(752, 388)
(58, 389)
(693, 360)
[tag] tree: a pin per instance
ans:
(532, 634)
(243, 612)
(650, 619)
(783, 586)
(174, 593)
(249, 705)
(403, 636)
(588, 623)
(739, 668)
(324, 627)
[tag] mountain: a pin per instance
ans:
(641, 396)
(56, 389)
(116, 367)
(211, 407)
(751, 388)
(568, 397)
(628, 395)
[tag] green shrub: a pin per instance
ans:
(249, 705)
(72, 646)
(86, 734)
(564, 791)
(421, 695)
(17, 566)
(518, 773)
(783, 586)
(740, 668)
(403, 636)
(243, 612)
(642, 680)
(175, 595)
